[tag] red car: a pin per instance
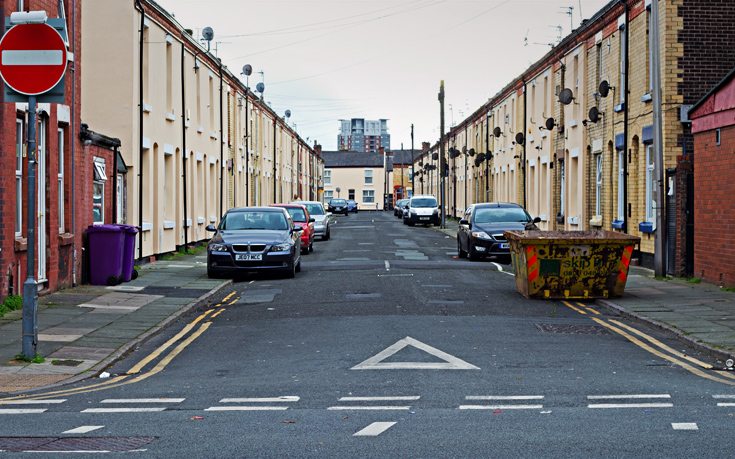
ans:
(300, 216)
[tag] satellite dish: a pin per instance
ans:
(477, 162)
(566, 96)
(260, 87)
(472, 152)
(481, 157)
(247, 69)
(208, 33)
(421, 163)
(288, 113)
(497, 132)
(520, 139)
(594, 115)
(604, 88)
(550, 124)
(435, 156)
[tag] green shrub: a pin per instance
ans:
(11, 303)
(694, 280)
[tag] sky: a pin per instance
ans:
(326, 60)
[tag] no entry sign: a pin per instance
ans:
(32, 58)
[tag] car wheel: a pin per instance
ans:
(411, 223)
(291, 271)
(474, 256)
(304, 251)
(460, 253)
(311, 247)
(326, 237)
(298, 267)
(212, 274)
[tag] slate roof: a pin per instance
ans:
(353, 159)
(404, 156)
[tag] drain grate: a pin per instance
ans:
(60, 444)
(574, 329)
(66, 363)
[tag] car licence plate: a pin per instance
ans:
(504, 246)
(248, 257)
(424, 218)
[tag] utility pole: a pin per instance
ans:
(30, 287)
(403, 166)
(659, 256)
(441, 151)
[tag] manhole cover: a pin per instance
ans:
(92, 444)
(575, 329)
(66, 363)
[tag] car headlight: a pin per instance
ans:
(218, 248)
(481, 235)
(281, 247)
(436, 211)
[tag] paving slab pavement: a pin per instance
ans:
(83, 330)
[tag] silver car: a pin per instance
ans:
(322, 219)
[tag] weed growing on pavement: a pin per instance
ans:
(694, 280)
(11, 303)
(663, 278)
(728, 289)
(36, 359)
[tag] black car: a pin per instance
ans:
(398, 208)
(254, 239)
(338, 206)
(480, 232)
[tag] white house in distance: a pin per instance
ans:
(364, 177)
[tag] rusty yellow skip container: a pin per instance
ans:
(571, 264)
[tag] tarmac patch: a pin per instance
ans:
(259, 296)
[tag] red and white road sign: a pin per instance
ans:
(32, 58)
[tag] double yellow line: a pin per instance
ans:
(130, 377)
(675, 356)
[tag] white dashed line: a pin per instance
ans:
(247, 408)
(285, 398)
(631, 405)
(500, 407)
(609, 397)
(374, 429)
(504, 397)
(143, 400)
(333, 408)
(385, 399)
(387, 265)
(82, 429)
(122, 410)
(684, 426)
(34, 402)
(22, 411)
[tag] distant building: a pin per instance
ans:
(365, 178)
(359, 134)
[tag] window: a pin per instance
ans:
(598, 187)
(351, 194)
(650, 190)
(623, 46)
(98, 191)
(327, 177)
(410, 173)
(368, 176)
(599, 65)
(563, 194)
(368, 196)
(62, 226)
(621, 186)
(718, 137)
(328, 195)
(19, 146)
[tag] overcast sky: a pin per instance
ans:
(327, 60)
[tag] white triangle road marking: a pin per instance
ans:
(450, 362)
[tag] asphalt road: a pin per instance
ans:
(386, 345)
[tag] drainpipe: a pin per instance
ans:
(183, 140)
(247, 148)
(487, 157)
(523, 158)
(274, 157)
(140, 128)
(221, 143)
(626, 115)
(73, 142)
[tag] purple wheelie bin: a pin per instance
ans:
(105, 254)
(128, 264)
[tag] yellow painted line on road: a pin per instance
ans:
(218, 313)
(573, 307)
(234, 301)
(139, 366)
(589, 309)
(229, 296)
(653, 351)
(62, 392)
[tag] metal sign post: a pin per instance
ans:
(30, 287)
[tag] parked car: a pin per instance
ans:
(254, 239)
(301, 217)
(423, 209)
(397, 211)
(480, 231)
(338, 206)
(322, 218)
(352, 205)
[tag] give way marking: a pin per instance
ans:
(450, 362)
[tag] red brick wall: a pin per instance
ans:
(714, 221)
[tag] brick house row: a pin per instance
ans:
(154, 132)
(571, 138)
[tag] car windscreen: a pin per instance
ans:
(254, 220)
(423, 202)
(315, 209)
(501, 215)
(297, 214)
(338, 202)
(351, 201)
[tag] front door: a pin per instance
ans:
(42, 155)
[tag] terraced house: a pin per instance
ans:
(571, 138)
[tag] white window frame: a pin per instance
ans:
(598, 185)
(327, 177)
(368, 176)
(649, 182)
(99, 179)
(623, 46)
(621, 185)
(19, 149)
(62, 223)
(368, 196)
(563, 182)
(328, 195)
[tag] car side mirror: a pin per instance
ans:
(210, 228)
(464, 221)
(298, 228)
(312, 220)
(537, 220)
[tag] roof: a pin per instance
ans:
(403, 157)
(722, 83)
(353, 159)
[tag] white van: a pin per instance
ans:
(422, 208)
